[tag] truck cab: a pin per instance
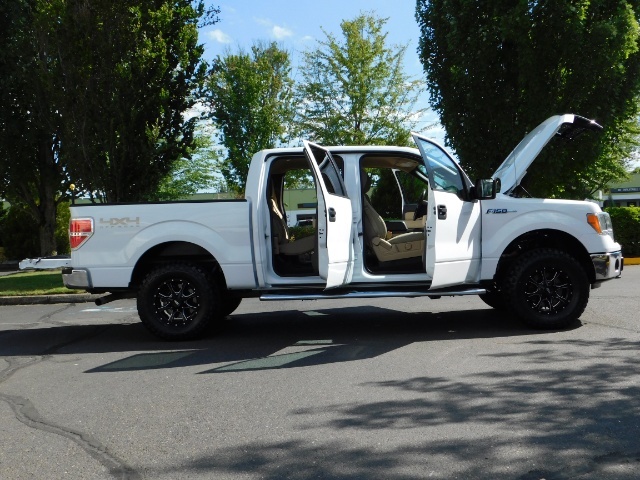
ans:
(353, 244)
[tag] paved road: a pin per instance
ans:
(392, 389)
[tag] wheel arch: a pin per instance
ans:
(173, 251)
(545, 238)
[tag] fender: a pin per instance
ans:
(505, 219)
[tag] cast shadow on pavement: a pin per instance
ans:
(267, 340)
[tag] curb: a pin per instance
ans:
(48, 299)
(631, 261)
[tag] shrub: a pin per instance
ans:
(300, 232)
(62, 228)
(626, 228)
(19, 233)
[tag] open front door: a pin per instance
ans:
(335, 218)
(453, 225)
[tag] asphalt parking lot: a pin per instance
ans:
(386, 389)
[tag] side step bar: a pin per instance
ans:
(329, 295)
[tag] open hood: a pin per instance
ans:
(514, 168)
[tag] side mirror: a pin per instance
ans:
(486, 188)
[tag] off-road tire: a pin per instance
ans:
(178, 301)
(546, 288)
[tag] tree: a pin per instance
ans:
(250, 96)
(128, 70)
(354, 90)
(94, 93)
(497, 69)
(31, 169)
(189, 175)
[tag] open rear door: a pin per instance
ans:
(335, 218)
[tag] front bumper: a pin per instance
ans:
(607, 265)
(76, 278)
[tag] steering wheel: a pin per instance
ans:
(421, 209)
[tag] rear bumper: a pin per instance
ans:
(73, 278)
(607, 265)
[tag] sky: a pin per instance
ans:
(297, 26)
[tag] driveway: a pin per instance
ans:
(392, 389)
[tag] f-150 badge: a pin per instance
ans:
(500, 210)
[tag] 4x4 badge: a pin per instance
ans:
(115, 222)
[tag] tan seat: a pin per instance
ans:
(385, 247)
(280, 234)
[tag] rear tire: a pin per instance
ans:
(547, 288)
(178, 301)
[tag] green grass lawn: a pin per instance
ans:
(47, 282)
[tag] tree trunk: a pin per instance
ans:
(47, 224)
(47, 180)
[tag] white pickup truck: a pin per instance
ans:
(190, 263)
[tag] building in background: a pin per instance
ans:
(624, 194)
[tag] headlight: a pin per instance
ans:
(601, 223)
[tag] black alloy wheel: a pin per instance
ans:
(179, 301)
(176, 301)
(546, 288)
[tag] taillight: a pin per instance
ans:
(80, 230)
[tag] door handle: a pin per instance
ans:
(332, 214)
(442, 212)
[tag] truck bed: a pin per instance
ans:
(123, 233)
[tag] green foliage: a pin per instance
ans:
(354, 91)
(626, 229)
(385, 197)
(250, 96)
(63, 215)
(495, 70)
(32, 173)
(128, 71)
(94, 93)
(298, 232)
(191, 174)
(19, 233)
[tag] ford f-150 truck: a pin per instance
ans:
(190, 263)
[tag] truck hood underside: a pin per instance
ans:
(514, 168)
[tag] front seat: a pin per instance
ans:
(385, 247)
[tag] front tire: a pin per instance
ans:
(547, 288)
(178, 301)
